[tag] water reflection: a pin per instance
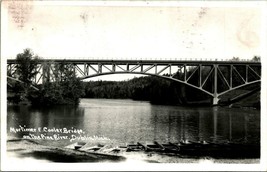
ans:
(29, 117)
(210, 124)
(124, 121)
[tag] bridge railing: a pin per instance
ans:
(144, 59)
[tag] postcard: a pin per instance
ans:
(133, 85)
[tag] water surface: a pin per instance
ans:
(123, 121)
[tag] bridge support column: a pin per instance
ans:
(215, 100)
(215, 85)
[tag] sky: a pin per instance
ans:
(130, 31)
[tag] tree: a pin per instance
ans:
(26, 66)
(26, 70)
(256, 59)
(235, 59)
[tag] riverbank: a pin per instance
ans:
(23, 148)
(246, 104)
(18, 149)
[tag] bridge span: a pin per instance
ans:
(215, 78)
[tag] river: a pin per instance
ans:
(120, 121)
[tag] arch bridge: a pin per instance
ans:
(214, 78)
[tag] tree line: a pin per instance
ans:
(148, 88)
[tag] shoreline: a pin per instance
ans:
(189, 104)
(23, 148)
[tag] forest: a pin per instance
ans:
(149, 88)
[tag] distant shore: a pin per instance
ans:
(247, 105)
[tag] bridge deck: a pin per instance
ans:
(126, 61)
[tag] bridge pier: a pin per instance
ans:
(215, 100)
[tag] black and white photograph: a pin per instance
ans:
(133, 85)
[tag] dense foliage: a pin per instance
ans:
(153, 89)
(25, 72)
(56, 93)
(26, 66)
(66, 89)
